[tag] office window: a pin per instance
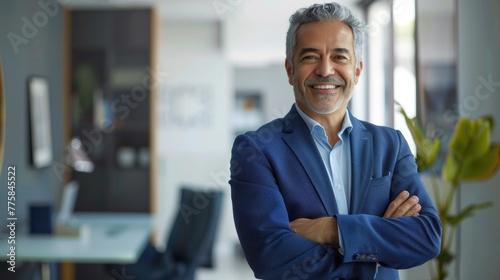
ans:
(379, 20)
(391, 62)
(404, 71)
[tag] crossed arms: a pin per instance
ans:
(324, 230)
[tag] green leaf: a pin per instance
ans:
(427, 149)
(470, 155)
(445, 256)
(454, 220)
(483, 167)
(471, 138)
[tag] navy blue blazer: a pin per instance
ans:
(277, 176)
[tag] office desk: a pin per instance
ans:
(109, 238)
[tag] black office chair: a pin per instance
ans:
(189, 245)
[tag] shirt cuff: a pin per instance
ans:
(341, 241)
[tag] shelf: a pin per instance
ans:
(112, 57)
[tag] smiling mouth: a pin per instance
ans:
(325, 86)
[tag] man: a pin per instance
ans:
(320, 194)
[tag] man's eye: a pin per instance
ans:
(340, 57)
(310, 57)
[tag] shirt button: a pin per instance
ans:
(339, 186)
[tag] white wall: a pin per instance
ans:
(255, 30)
(272, 82)
(478, 51)
(193, 118)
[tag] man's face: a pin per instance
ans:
(324, 69)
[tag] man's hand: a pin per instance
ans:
(321, 230)
(403, 205)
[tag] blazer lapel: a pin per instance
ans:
(298, 137)
(361, 164)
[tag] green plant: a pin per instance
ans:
(470, 157)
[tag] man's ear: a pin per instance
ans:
(289, 70)
(357, 71)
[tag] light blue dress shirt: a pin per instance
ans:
(337, 160)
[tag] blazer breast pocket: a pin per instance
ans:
(377, 197)
(381, 181)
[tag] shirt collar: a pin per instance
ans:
(313, 125)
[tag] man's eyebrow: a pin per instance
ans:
(314, 50)
(308, 50)
(341, 50)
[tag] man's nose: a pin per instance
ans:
(325, 67)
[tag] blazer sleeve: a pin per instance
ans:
(271, 248)
(402, 242)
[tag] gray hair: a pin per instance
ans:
(325, 12)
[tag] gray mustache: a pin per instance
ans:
(328, 79)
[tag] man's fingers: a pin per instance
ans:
(406, 209)
(393, 206)
(299, 224)
(403, 205)
(415, 210)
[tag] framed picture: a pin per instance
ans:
(41, 139)
(248, 112)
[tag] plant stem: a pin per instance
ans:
(435, 188)
(451, 196)
(444, 199)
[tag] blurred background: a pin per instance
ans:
(156, 91)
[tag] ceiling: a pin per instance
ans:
(204, 9)
(253, 30)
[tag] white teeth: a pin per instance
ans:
(325, 86)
